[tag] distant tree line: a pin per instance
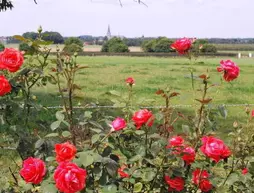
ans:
(54, 37)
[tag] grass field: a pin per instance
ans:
(108, 73)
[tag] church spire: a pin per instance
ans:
(109, 33)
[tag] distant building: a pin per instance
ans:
(109, 36)
(3, 40)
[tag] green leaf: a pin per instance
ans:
(20, 38)
(55, 125)
(39, 143)
(138, 187)
(66, 134)
(85, 158)
(48, 188)
(232, 179)
(50, 159)
(59, 116)
(95, 130)
(52, 135)
(88, 114)
(140, 132)
(25, 186)
(95, 138)
(223, 111)
(148, 174)
(109, 189)
(112, 167)
(136, 158)
(186, 129)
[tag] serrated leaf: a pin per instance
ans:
(186, 129)
(95, 130)
(20, 38)
(112, 167)
(95, 138)
(85, 158)
(48, 188)
(39, 143)
(88, 114)
(136, 158)
(52, 135)
(140, 132)
(55, 125)
(59, 116)
(223, 111)
(66, 134)
(138, 187)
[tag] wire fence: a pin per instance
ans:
(147, 107)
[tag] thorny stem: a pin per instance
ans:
(62, 96)
(201, 112)
(146, 141)
(105, 137)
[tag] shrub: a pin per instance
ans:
(71, 48)
(73, 40)
(24, 47)
(1, 47)
(209, 48)
(161, 44)
(115, 45)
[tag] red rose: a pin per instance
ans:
(118, 124)
(189, 155)
(245, 171)
(121, 172)
(11, 59)
(230, 70)
(33, 170)
(69, 177)
(176, 143)
(5, 86)
(252, 113)
(182, 45)
(175, 184)
(65, 152)
(201, 179)
(143, 117)
(130, 81)
(214, 148)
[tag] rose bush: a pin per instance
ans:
(145, 151)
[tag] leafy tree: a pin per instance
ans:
(148, 45)
(72, 48)
(115, 45)
(30, 35)
(55, 37)
(1, 47)
(161, 44)
(74, 40)
(209, 48)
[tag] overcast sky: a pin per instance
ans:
(171, 18)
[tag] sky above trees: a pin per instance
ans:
(171, 18)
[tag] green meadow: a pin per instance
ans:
(105, 74)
